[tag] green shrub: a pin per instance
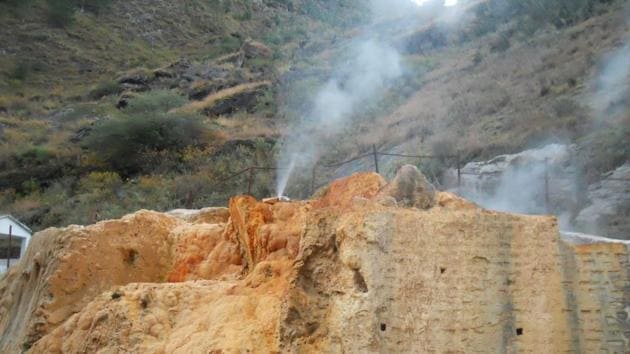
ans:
(20, 71)
(36, 155)
(60, 13)
(16, 4)
(30, 186)
(102, 182)
(126, 143)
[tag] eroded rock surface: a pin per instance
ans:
(411, 189)
(346, 272)
(608, 211)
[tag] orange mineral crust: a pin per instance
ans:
(366, 266)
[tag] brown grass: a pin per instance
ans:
(497, 104)
(210, 100)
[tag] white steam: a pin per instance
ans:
(372, 66)
(446, 2)
(612, 86)
(523, 183)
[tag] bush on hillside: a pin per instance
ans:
(60, 13)
(20, 71)
(107, 182)
(126, 144)
(16, 4)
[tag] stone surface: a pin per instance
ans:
(346, 272)
(608, 211)
(516, 182)
(411, 189)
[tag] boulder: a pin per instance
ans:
(411, 189)
(135, 78)
(608, 209)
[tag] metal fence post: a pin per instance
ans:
(9, 248)
(547, 185)
(375, 158)
(250, 180)
(313, 176)
(459, 171)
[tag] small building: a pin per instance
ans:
(19, 239)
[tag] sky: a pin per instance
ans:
(446, 2)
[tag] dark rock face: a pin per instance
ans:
(243, 101)
(202, 89)
(608, 212)
(136, 80)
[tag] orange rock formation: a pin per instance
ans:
(358, 270)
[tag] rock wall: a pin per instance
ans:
(516, 183)
(597, 286)
(357, 270)
(608, 210)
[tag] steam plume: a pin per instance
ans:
(374, 63)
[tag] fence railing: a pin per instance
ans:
(319, 168)
(374, 155)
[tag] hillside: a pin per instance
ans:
(220, 84)
(59, 83)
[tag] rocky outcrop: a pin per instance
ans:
(596, 280)
(516, 182)
(411, 189)
(239, 98)
(346, 272)
(545, 180)
(608, 211)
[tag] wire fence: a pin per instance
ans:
(319, 170)
(319, 176)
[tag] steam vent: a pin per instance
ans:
(366, 267)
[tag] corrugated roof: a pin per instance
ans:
(16, 221)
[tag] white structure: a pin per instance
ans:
(20, 237)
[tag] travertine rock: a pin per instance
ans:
(343, 273)
(411, 189)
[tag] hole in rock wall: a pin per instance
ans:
(383, 327)
(131, 256)
(519, 331)
(359, 282)
(442, 270)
